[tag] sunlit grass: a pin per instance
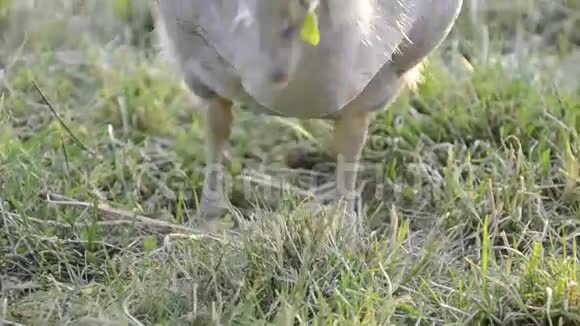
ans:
(476, 220)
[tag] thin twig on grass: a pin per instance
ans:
(128, 314)
(6, 322)
(114, 214)
(67, 225)
(60, 121)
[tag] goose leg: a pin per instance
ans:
(218, 123)
(350, 134)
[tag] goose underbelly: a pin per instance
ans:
(320, 86)
(327, 79)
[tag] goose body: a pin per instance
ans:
(250, 52)
(232, 47)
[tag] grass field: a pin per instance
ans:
(472, 184)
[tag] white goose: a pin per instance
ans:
(251, 52)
